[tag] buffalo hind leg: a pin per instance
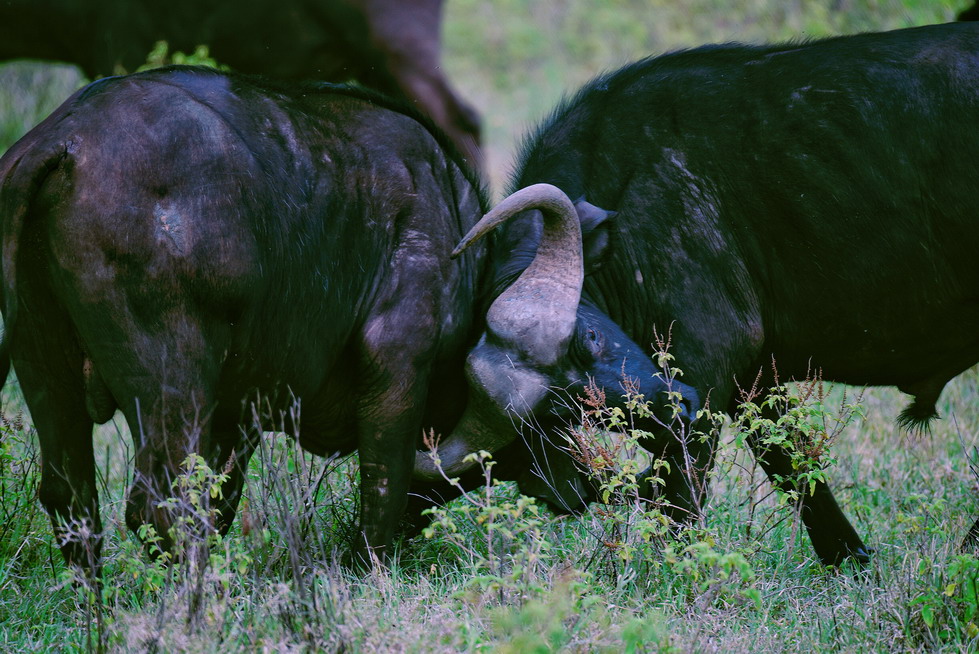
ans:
(55, 397)
(165, 433)
(68, 491)
(168, 402)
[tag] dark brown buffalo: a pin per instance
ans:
(390, 45)
(179, 242)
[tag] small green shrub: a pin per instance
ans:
(948, 609)
(640, 542)
(160, 56)
(799, 422)
(499, 532)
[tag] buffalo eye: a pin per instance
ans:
(595, 341)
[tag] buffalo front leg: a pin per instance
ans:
(833, 537)
(386, 446)
(393, 388)
(689, 458)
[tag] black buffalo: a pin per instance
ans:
(390, 45)
(811, 203)
(184, 244)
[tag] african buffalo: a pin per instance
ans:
(181, 242)
(812, 203)
(390, 45)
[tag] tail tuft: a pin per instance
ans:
(917, 416)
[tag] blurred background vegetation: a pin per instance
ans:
(514, 59)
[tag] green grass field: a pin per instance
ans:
(496, 574)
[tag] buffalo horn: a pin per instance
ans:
(536, 314)
(533, 319)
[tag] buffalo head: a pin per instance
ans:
(543, 345)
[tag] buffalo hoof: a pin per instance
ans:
(858, 557)
(363, 558)
(861, 557)
(970, 544)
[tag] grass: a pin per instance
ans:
(532, 582)
(500, 575)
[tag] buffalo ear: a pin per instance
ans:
(596, 232)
